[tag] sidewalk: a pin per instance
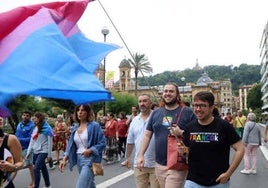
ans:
(264, 146)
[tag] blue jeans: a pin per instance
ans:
(39, 161)
(191, 184)
(86, 179)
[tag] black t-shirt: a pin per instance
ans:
(209, 150)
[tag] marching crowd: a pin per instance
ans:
(204, 137)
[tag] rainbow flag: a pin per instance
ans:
(43, 53)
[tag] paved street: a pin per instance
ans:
(120, 177)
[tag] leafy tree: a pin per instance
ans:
(18, 105)
(140, 64)
(245, 75)
(122, 103)
(67, 105)
(34, 104)
(254, 97)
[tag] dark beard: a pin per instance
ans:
(174, 101)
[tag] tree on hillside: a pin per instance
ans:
(254, 97)
(216, 71)
(140, 64)
(241, 75)
(245, 75)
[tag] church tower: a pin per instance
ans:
(197, 67)
(125, 75)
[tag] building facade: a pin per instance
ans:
(222, 89)
(264, 68)
(243, 93)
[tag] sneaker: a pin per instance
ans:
(123, 163)
(245, 171)
(118, 158)
(253, 171)
(56, 163)
(51, 166)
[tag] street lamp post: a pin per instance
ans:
(182, 79)
(105, 32)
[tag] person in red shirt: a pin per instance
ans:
(122, 133)
(111, 134)
(229, 118)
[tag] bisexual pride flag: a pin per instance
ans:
(43, 53)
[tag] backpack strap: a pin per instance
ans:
(5, 141)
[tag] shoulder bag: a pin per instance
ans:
(177, 152)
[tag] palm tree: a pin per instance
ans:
(140, 63)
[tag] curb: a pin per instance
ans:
(264, 146)
(264, 151)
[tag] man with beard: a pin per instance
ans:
(145, 175)
(24, 132)
(158, 125)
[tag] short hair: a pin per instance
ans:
(251, 117)
(205, 96)
(60, 116)
(145, 94)
(110, 114)
(154, 105)
(27, 112)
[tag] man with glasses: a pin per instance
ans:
(209, 139)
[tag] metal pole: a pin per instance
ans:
(104, 71)
(105, 32)
(182, 79)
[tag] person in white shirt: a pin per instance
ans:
(146, 174)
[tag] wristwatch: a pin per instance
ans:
(16, 168)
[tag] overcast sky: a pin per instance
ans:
(174, 33)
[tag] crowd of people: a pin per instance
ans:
(84, 141)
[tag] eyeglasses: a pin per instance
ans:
(200, 105)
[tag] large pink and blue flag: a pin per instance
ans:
(43, 53)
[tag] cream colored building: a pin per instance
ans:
(243, 93)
